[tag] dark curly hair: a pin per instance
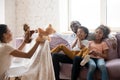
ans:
(3, 29)
(74, 26)
(85, 29)
(106, 30)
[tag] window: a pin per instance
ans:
(90, 13)
(113, 14)
(85, 11)
(63, 12)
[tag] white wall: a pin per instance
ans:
(10, 17)
(7, 15)
(36, 13)
(2, 11)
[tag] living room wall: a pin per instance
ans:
(10, 17)
(2, 11)
(36, 13)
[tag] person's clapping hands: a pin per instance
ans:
(79, 37)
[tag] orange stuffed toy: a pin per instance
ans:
(44, 34)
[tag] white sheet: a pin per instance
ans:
(39, 67)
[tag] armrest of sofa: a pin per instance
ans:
(113, 67)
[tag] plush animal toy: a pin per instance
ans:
(28, 33)
(44, 34)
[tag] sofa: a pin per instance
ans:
(112, 63)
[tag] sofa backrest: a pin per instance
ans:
(118, 42)
(57, 40)
(112, 53)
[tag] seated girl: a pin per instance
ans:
(99, 53)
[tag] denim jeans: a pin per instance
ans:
(97, 63)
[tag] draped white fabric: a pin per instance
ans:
(39, 67)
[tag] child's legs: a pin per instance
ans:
(76, 67)
(56, 49)
(102, 67)
(57, 59)
(63, 48)
(92, 67)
